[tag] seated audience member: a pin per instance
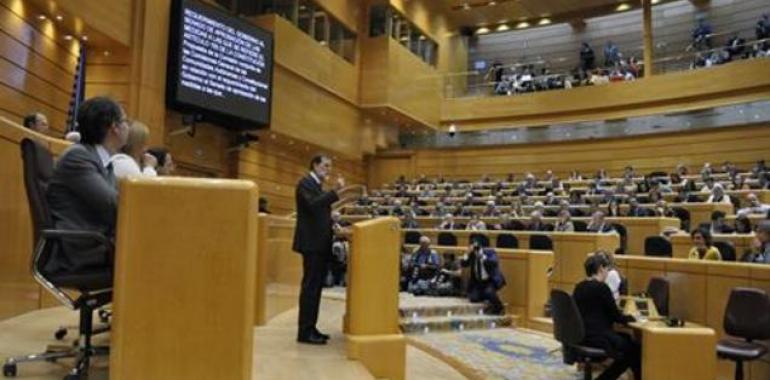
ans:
(613, 208)
(708, 185)
(448, 223)
(485, 277)
(405, 272)
(598, 225)
(439, 209)
(339, 263)
(133, 159)
(762, 243)
(550, 199)
(448, 281)
(703, 247)
(662, 209)
(755, 206)
(36, 121)
(397, 209)
(742, 224)
(408, 221)
(536, 222)
(424, 265)
(539, 207)
(476, 224)
(337, 222)
(614, 279)
(718, 225)
(634, 210)
(505, 223)
(462, 211)
(563, 206)
(597, 306)
(718, 195)
(263, 206)
(491, 210)
(165, 162)
(564, 224)
(575, 176)
(82, 194)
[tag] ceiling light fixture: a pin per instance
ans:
(482, 30)
(492, 3)
(522, 25)
(544, 21)
(41, 17)
(655, 1)
(84, 38)
(59, 17)
(503, 28)
(67, 37)
(466, 6)
(623, 7)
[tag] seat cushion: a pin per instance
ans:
(739, 349)
(86, 281)
(589, 352)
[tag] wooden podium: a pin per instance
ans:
(371, 320)
(185, 269)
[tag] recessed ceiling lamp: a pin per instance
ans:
(623, 7)
(84, 38)
(503, 28)
(522, 25)
(466, 6)
(482, 30)
(492, 3)
(544, 21)
(67, 37)
(59, 17)
(41, 17)
(655, 1)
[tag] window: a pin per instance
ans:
(384, 19)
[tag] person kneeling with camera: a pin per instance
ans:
(485, 277)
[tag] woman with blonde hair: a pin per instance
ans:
(133, 159)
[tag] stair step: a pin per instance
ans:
(454, 323)
(442, 311)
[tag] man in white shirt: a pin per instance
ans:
(755, 206)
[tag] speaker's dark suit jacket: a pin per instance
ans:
(82, 195)
(313, 232)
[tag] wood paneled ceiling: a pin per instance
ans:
(475, 13)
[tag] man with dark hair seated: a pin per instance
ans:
(718, 225)
(82, 193)
(598, 224)
(485, 277)
(597, 307)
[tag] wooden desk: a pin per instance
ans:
(682, 243)
(185, 275)
(676, 353)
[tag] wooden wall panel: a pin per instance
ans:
(113, 21)
(742, 145)
(109, 75)
(736, 82)
(277, 166)
(36, 69)
(414, 86)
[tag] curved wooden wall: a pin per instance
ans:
(742, 145)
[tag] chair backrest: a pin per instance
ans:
(567, 323)
(580, 226)
(446, 238)
(542, 242)
(657, 246)
(412, 237)
(38, 170)
(518, 226)
(658, 290)
(726, 250)
(623, 233)
(507, 241)
(747, 314)
(482, 239)
(683, 215)
(623, 288)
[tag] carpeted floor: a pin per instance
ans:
(514, 354)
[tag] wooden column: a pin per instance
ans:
(648, 46)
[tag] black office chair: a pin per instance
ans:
(658, 290)
(517, 226)
(412, 237)
(726, 250)
(569, 330)
(747, 316)
(447, 238)
(580, 226)
(684, 217)
(93, 287)
(657, 246)
(623, 233)
(481, 239)
(507, 241)
(542, 242)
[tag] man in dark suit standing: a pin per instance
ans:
(82, 193)
(313, 237)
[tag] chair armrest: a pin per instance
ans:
(79, 235)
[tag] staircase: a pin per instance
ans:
(447, 314)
